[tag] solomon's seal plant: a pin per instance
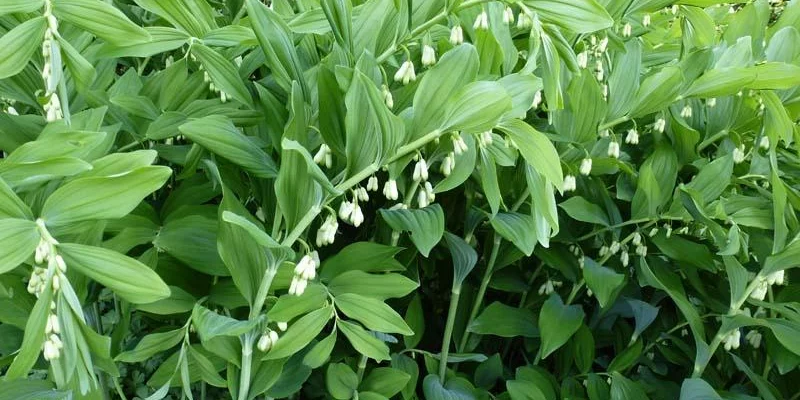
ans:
(373, 199)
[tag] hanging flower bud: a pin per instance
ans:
(429, 192)
(346, 210)
(712, 102)
(646, 20)
(387, 97)
(583, 59)
(760, 291)
(420, 171)
(508, 16)
(50, 351)
(62, 266)
(537, 99)
(603, 45)
(447, 164)
(586, 166)
(428, 55)
(361, 194)
(632, 137)
(776, 278)
(326, 234)
(524, 21)
(732, 340)
(405, 73)
(613, 149)
(754, 338)
(660, 125)
(283, 326)
(459, 145)
(390, 190)
(624, 258)
(738, 154)
(603, 251)
(322, 154)
(599, 70)
(686, 112)
(485, 139)
(456, 35)
(56, 283)
(569, 183)
(481, 21)
(615, 246)
(264, 342)
(627, 30)
(763, 143)
(636, 239)
(641, 251)
(372, 184)
(358, 217)
(422, 199)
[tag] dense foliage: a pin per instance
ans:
(372, 199)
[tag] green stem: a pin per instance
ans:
(247, 361)
(487, 276)
(362, 366)
(713, 138)
(448, 332)
(120, 392)
(613, 123)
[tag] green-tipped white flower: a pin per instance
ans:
(459, 145)
(763, 143)
(776, 278)
(583, 59)
(447, 164)
(603, 45)
(485, 138)
(686, 112)
(428, 55)
(731, 341)
(508, 16)
(712, 102)
(456, 35)
(739, 154)
(387, 97)
(569, 183)
(390, 190)
(636, 239)
(537, 99)
(624, 258)
(586, 166)
(613, 149)
(422, 199)
(327, 231)
(660, 125)
(627, 29)
(646, 20)
(420, 171)
(754, 338)
(481, 21)
(615, 246)
(283, 326)
(372, 184)
(632, 137)
(324, 156)
(760, 291)
(524, 21)
(405, 73)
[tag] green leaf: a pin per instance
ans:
(776, 75)
(385, 381)
(320, 353)
(765, 388)
(130, 279)
(374, 314)
(487, 170)
(476, 107)
(453, 389)
(524, 390)
(657, 91)
(363, 341)
(11, 206)
(362, 256)
(18, 45)
(193, 16)
(425, 224)
(623, 388)
(698, 389)
(274, 36)
(179, 302)
(18, 240)
(210, 324)
(261, 237)
(626, 358)
(34, 336)
(604, 282)
(516, 228)
(785, 259)
(501, 320)
(80, 69)
(223, 73)
(721, 82)
(584, 349)
(20, 6)
(25, 389)
(738, 277)
(151, 345)
(579, 16)
(102, 197)
(581, 209)
(713, 178)
(341, 381)
(536, 148)
(464, 258)
(456, 68)
(192, 240)
(289, 306)
(787, 332)
(162, 39)
(218, 135)
(377, 286)
(557, 323)
(102, 20)
(300, 333)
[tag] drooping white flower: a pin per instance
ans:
(524, 21)
(485, 139)
(738, 154)
(447, 164)
(569, 183)
(372, 184)
(405, 73)
(686, 112)
(586, 166)
(674, 9)
(346, 210)
(599, 70)
(428, 55)
(732, 340)
(646, 20)
(390, 190)
(481, 21)
(420, 170)
(508, 16)
(603, 251)
(636, 239)
(613, 149)
(627, 30)
(603, 45)
(422, 199)
(283, 326)
(327, 231)
(763, 143)
(428, 188)
(641, 250)
(456, 35)
(459, 145)
(387, 97)
(615, 246)
(624, 258)
(660, 125)
(776, 278)
(760, 291)
(358, 217)
(583, 59)
(712, 102)
(50, 351)
(632, 137)
(361, 194)
(537, 99)
(754, 338)
(323, 156)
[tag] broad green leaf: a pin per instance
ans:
(101, 19)
(193, 16)
(579, 16)
(102, 197)
(320, 353)
(626, 358)
(656, 181)
(274, 36)
(121, 163)
(361, 256)
(300, 333)
(777, 122)
(130, 279)
(341, 381)
(208, 372)
(218, 135)
(11, 206)
(20, 6)
(522, 88)
(698, 389)
(151, 345)
(536, 148)
(377, 286)
(18, 45)
(584, 348)
(785, 259)
(487, 171)
(738, 277)
(223, 73)
(210, 324)
(289, 306)
(28, 389)
(505, 321)
(374, 314)
(456, 68)
(18, 240)
(557, 323)
(776, 75)
(192, 240)
(363, 341)
(34, 336)
(313, 169)
(464, 258)
(623, 82)
(713, 178)
(603, 281)
(524, 390)
(623, 388)
(787, 332)
(516, 228)
(476, 107)
(453, 389)
(657, 91)
(765, 388)
(178, 302)
(385, 381)
(721, 82)
(581, 209)
(425, 224)
(80, 69)
(162, 39)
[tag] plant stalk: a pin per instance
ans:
(487, 276)
(448, 332)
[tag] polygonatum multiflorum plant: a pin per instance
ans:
(408, 199)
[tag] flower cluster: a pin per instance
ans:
(324, 156)
(267, 340)
(327, 231)
(405, 73)
(549, 287)
(50, 47)
(304, 271)
(350, 211)
(763, 283)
